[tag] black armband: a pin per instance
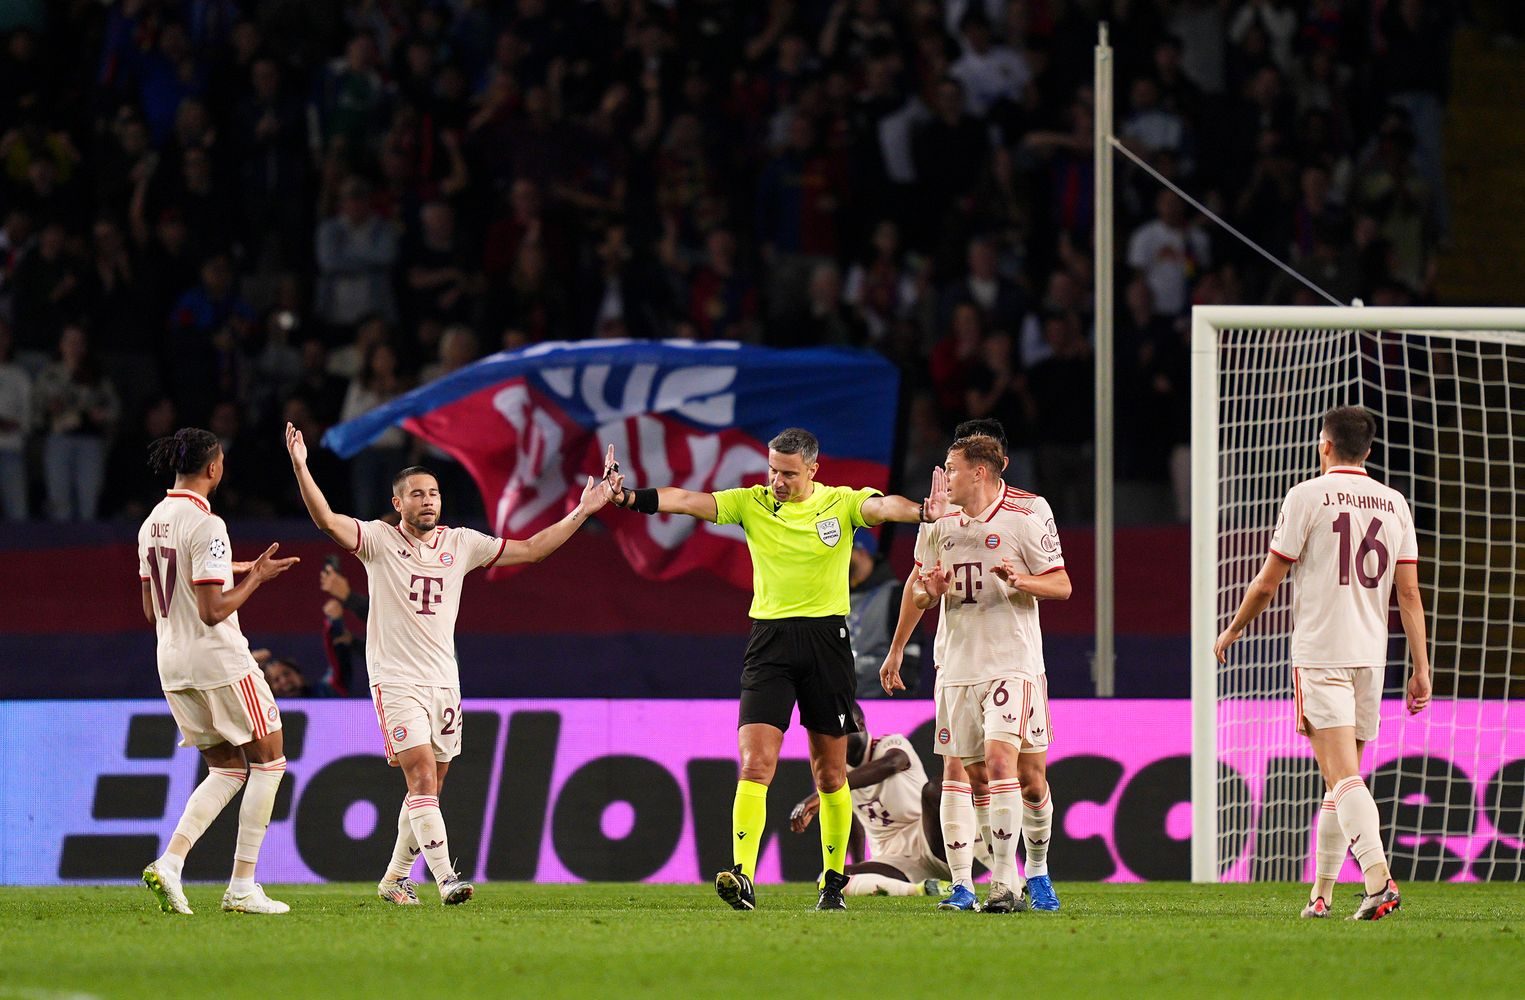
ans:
(645, 500)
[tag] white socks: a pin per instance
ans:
(1037, 824)
(254, 813)
(1328, 851)
(1005, 821)
(880, 885)
(1357, 812)
(429, 828)
(985, 855)
(957, 815)
(406, 850)
(206, 802)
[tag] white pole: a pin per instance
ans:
(1204, 598)
(1102, 667)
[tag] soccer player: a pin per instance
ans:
(799, 533)
(416, 569)
(1351, 538)
(897, 806)
(988, 565)
(215, 690)
(964, 804)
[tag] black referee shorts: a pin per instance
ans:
(804, 660)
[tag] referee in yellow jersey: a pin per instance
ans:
(799, 533)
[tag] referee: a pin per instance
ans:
(799, 533)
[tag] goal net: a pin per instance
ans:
(1448, 389)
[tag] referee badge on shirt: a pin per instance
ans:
(830, 530)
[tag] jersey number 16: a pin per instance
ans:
(1368, 543)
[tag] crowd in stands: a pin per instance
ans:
(235, 213)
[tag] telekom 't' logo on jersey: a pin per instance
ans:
(971, 584)
(428, 593)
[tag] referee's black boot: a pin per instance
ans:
(831, 892)
(736, 889)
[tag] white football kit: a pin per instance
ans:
(215, 690)
(891, 816)
(991, 683)
(1346, 533)
(415, 592)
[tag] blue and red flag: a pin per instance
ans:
(531, 426)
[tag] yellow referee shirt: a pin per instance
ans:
(800, 551)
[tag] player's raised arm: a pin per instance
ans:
(1256, 599)
(658, 499)
(877, 510)
(342, 529)
(1411, 612)
(541, 544)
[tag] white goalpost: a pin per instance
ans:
(1448, 389)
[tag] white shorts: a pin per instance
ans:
(415, 715)
(1010, 709)
(1327, 697)
(237, 714)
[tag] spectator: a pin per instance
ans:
(1063, 388)
(15, 422)
(78, 406)
(1001, 303)
(994, 387)
(439, 278)
(826, 320)
(954, 359)
(371, 471)
(355, 251)
(1166, 252)
(874, 597)
(207, 330)
(49, 291)
(989, 73)
(722, 301)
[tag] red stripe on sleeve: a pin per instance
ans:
(359, 535)
(1281, 555)
(502, 544)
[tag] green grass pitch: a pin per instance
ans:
(1161, 939)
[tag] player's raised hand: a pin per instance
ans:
(240, 568)
(1418, 695)
(267, 567)
(889, 672)
(594, 496)
(937, 501)
(1227, 639)
(802, 815)
(614, 480)
(937, 582)
(295, 446)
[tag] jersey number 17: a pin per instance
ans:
(161, 574)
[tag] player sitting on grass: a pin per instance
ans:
(1351, 538)
(898, 807)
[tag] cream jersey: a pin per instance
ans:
(1346, 533)
(182, 545)
(415, 592)
(988, 630)
(891, 810)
